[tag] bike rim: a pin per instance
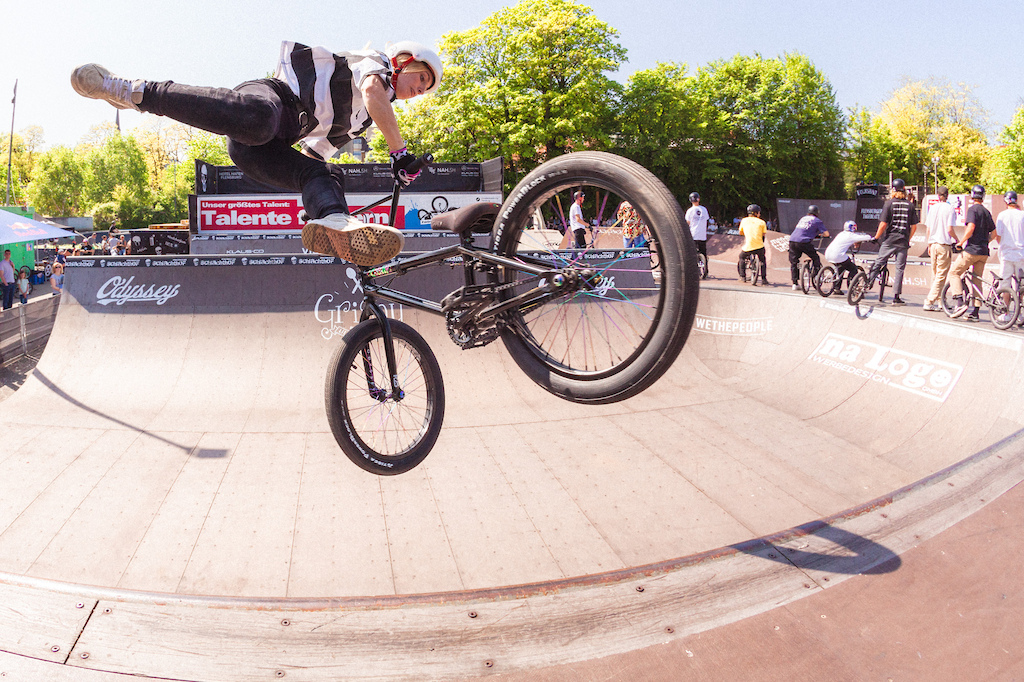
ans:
(591, 333)
(391, 428)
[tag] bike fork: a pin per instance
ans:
(376, 392)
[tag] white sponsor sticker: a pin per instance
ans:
(917, 374)
(724, 326)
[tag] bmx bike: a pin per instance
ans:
(1001, 297)
(590, 326)
(830, 279)
(751, 269)
(808, 275)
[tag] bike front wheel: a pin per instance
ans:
(1004, 307)
(858, 285)
(825, 282)
(382, 430)
(613, 336)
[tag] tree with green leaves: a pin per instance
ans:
(1004, 168)
(58, 183)
(739, 131)
(919, 121)
(530, 83)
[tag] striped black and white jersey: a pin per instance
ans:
(327, 84)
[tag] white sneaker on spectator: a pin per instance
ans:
(932, 307)
(95, 82)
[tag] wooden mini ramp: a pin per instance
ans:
(174, 505)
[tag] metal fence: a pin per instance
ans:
(26, 328)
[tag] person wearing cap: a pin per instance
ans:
(838, 251)
(1010, 237)
(896, 226)
(318, 99)
(809, 228)
(697, 218)
(940, 222)
(577, 223)
(975, 251)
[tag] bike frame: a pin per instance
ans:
(550, 285)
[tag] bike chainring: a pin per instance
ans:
(460, 310)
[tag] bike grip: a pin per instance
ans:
(417, 165)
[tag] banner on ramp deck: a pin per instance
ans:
(917, 374)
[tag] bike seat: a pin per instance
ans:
(475, 218)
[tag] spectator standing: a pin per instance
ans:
(632, 227)
(941, 237)
(697, 217)
(23, 287)
(7, 279)
(806, 231)
(1010, 237)
(896, 227)
(753, 230)
(57, 279)
(576, 222)
(975, 250)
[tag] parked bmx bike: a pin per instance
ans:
(1001, 297)
(590, 326)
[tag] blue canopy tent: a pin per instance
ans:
(15, 228)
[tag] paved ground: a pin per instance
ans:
(182, 449)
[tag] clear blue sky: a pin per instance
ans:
(862, 47)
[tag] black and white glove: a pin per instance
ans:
(401, 160)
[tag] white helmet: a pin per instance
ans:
(419, 53)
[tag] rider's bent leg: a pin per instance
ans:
(901, 266)
(253, 113)
(794, 262)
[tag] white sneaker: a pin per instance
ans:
(796, 287)
(932, 307)
(95, 82)
(348, 238)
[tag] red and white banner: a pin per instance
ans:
(279, 213)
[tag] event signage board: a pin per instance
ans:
(280, 213)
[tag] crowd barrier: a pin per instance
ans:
(25, 328)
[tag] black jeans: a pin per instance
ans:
(795, 250)
(262, 119)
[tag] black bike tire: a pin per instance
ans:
(945, 300)
(823, 290)
(858, 285)
(679, 284)
(346, 433)
(806, 277)
(702, 265)
(1014, 308)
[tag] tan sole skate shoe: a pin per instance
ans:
(95, 82)
(349, 238)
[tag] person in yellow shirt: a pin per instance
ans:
(753, 230)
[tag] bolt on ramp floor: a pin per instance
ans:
(171, 456)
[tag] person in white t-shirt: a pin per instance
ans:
(941, 237)
(838, 251)
(1010, 237)
(697, 217)
(577, 223)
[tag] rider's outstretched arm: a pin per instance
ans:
(378, 105)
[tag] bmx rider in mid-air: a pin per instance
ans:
(317, 98)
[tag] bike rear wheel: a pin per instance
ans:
(949, 304)
(383, 433)
(702, 265)
(858, 285)
(806, 277)
(610, 341)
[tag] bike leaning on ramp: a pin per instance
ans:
(589, 325)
